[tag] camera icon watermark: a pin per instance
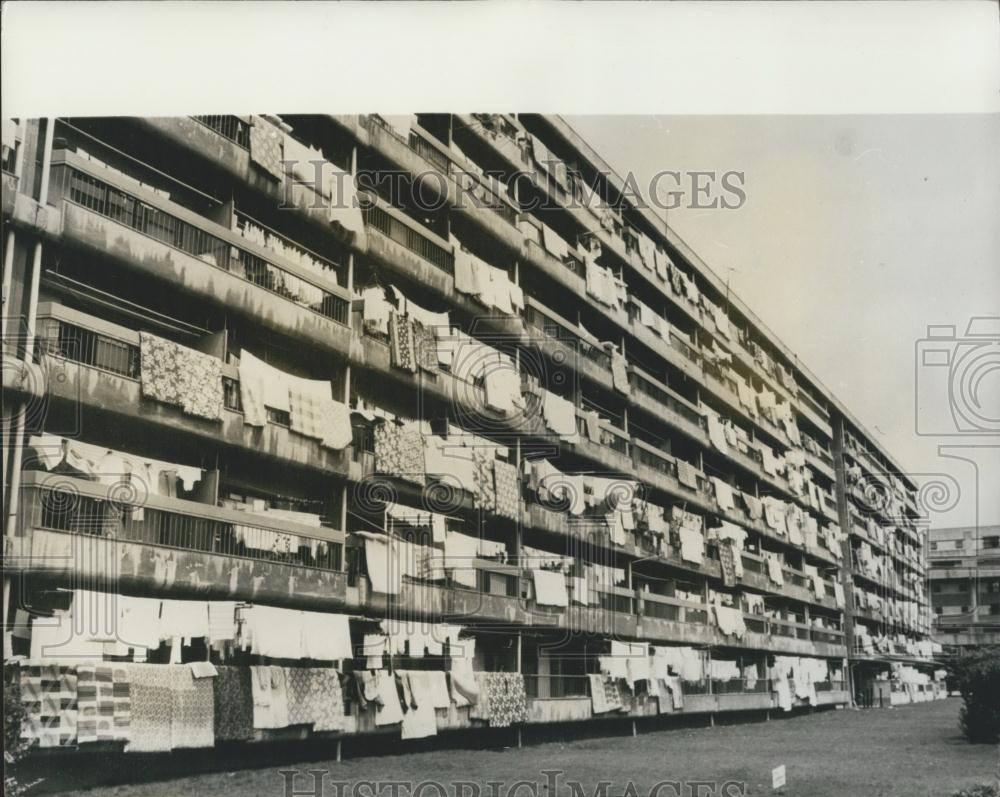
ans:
(957, 380)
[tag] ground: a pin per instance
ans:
(909, 751)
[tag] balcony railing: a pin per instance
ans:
(729, 686)
(830, 686)
(556, 686)
(91, 348)
(119, 512)
(659, 394)
(231, 127)
(406, 236)
(484, 195)
(113, 203)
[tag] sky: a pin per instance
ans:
(857, 233)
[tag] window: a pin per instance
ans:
(937, 610)
(991, 542)
(959, 544)
(933, 546)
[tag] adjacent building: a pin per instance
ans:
(361, 401)
(964, 577)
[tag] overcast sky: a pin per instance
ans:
(858, 232)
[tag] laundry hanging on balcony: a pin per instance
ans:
(315, 698)
(192, 711)
(604, 694)
(723, 670)
(619, 369)
(615, 663)
(723, 494)
(267, 147)
(604, 286)
(731, 539)
(48, 696)
(716, 431)
(270, 697)
(484, 486)
(555, 489)
(111, 467)
(730, 621)
(652, 320)
(647, 251)
(746, 395)
(502, 699)
(687, 474)
(815, 581)
(293, 634)
(399, 451)
(554, 244)
(233, 702)
(490, 285)
(774, 567)
(261, 385)
(637, 663)
(402, 343)
(508, 489)
(315, 414)
(794, 520)
(419, 720)
(183, 377)
(692, 544)
(550, 588)
(560, 416)
(502, 383)
(460, 553)
(755, 509)
(774, 514)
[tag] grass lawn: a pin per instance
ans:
(911, 751)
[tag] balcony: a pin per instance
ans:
(221, 144)
(651, 395)
(562, 342)
(444, 601)
(99, 369)
(105, 214)
(234, 128)
(796, 585)
(464, 189)
(77, 531)
(408, 234)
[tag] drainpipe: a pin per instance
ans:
(13, 491)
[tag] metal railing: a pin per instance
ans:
(315, 260)
(486, 196)
(62, 507)
(113, 203)
(829, 686)
(406, 236)
(556, 686)
(429, 152)
(729, 686)
(653, 460)
(231, 127)
(657, 393)
(84, 346)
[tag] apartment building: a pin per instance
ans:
(964, 578)
(369, 406)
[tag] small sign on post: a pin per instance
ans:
(778, 777)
